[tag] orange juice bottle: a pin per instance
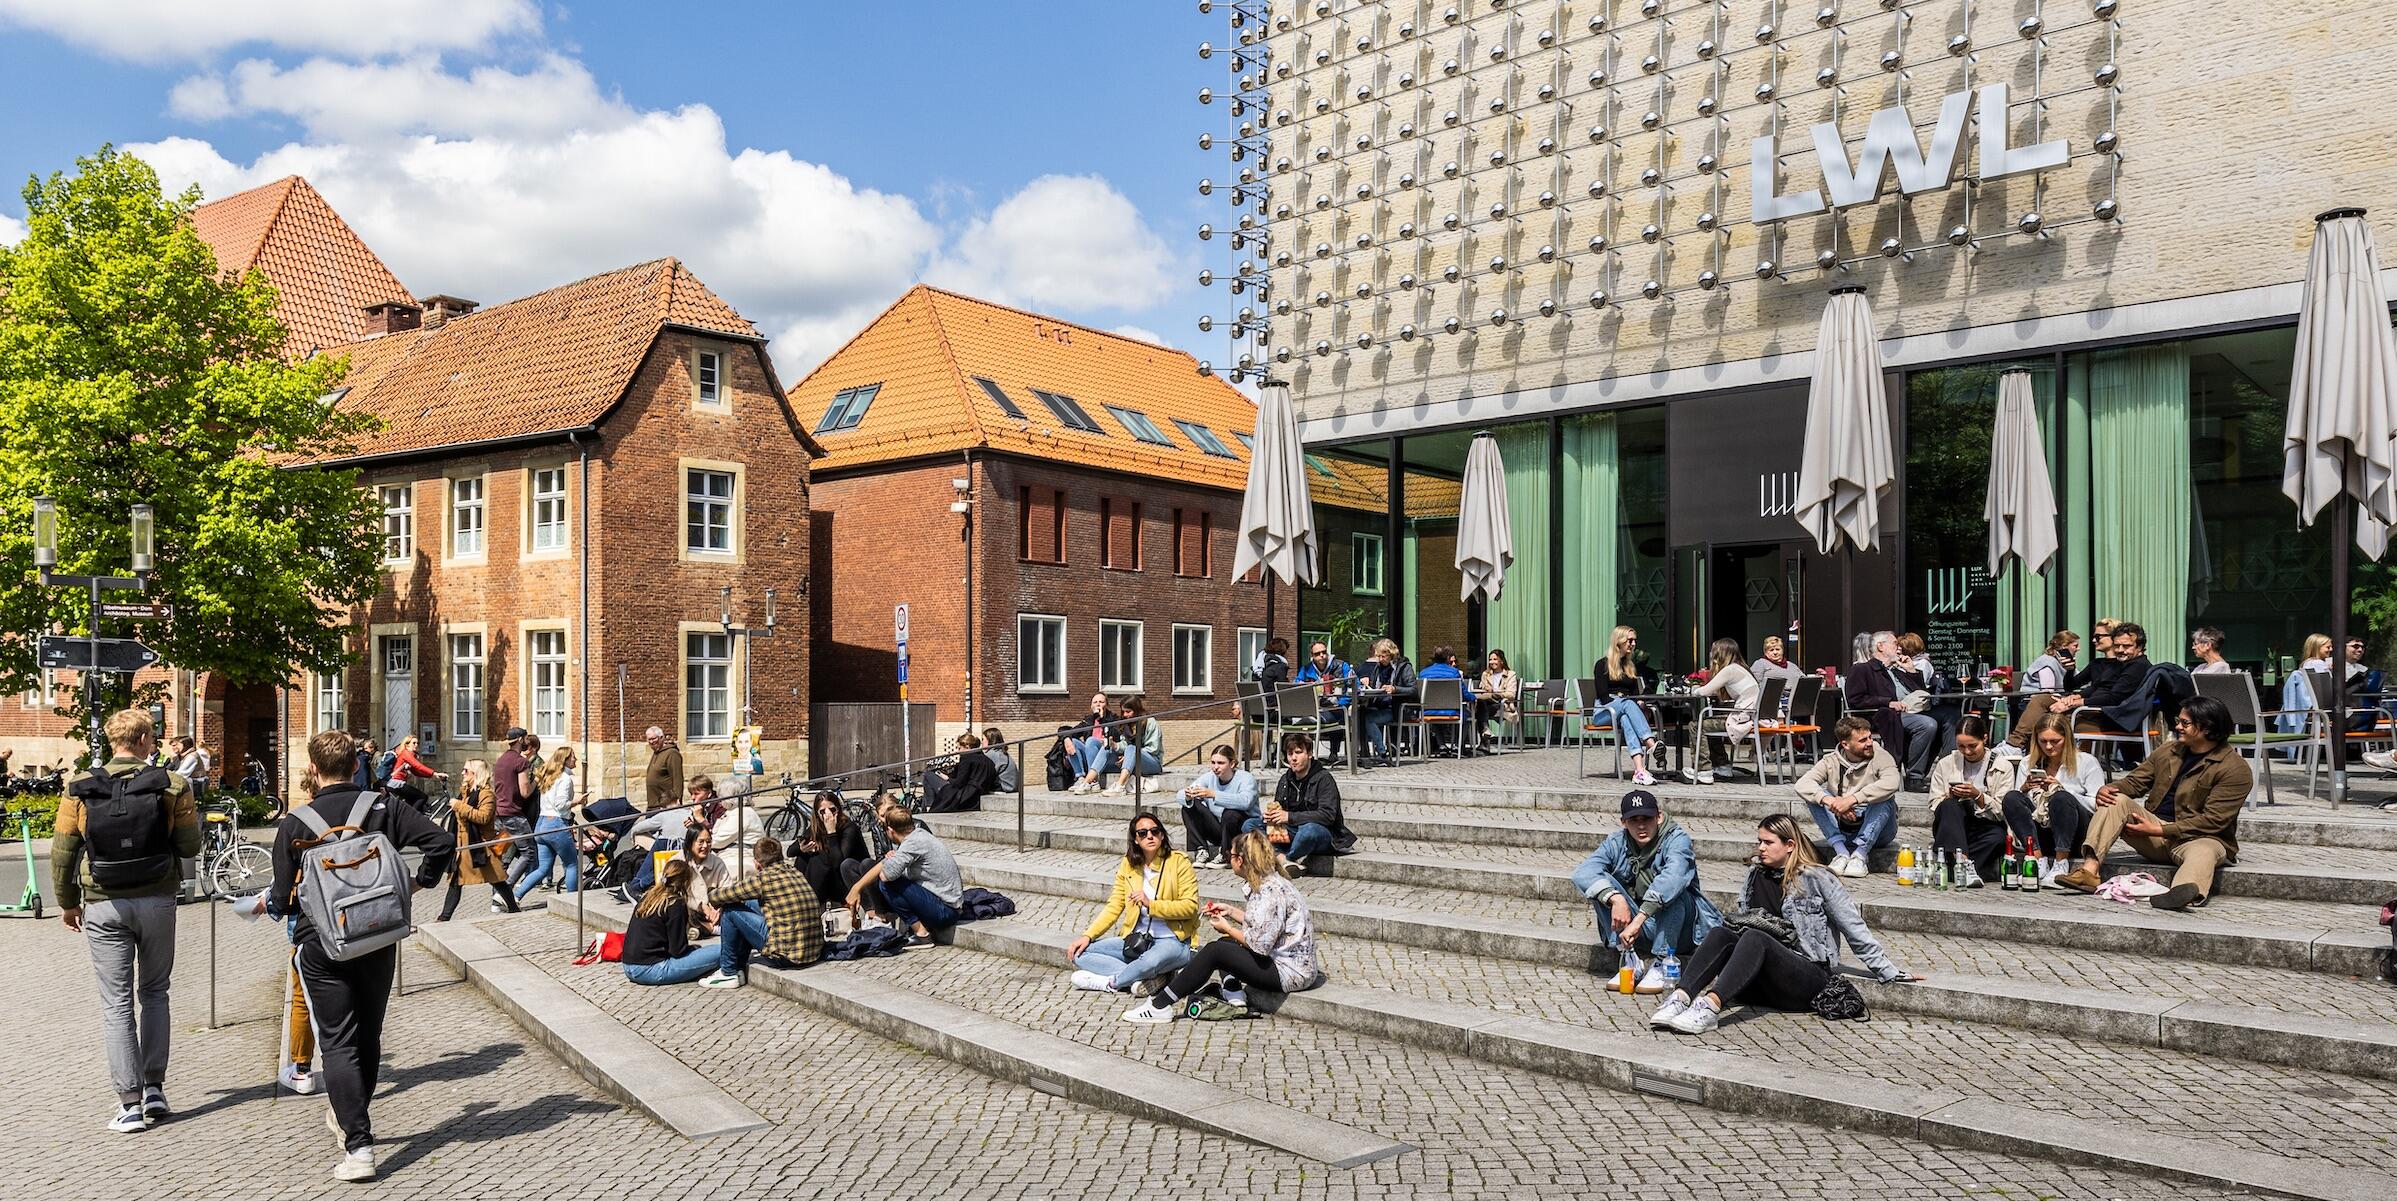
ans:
(1627, 978)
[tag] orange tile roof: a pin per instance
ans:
(552, 361)
(324, 274)
(928, 348)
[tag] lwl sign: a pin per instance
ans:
(1890, 145)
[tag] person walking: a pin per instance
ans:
(471, 814)
(508, 805)
(663, 777)
(347, 997)
(113, 851)
(553, 839)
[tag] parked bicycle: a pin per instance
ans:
(230, 863)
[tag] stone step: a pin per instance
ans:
(2282, 871)
(2342, 939)
(1771, 1080)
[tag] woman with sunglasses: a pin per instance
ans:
(1156, 894)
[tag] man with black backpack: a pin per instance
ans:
(119, 832)
(347, 971)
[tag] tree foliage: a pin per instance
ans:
(133, 370)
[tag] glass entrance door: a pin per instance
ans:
(1746, 592)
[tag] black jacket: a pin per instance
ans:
(1399, 673)
(964, 783)
(407, 828)
(1641, 679)
(1315, 801)
(1870, 691)
(649, 940)
(2128, 678)
(2100, 670)
(823, 866)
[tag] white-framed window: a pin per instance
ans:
(707, 376)
(546, 652)
(707, 511)
(1365, 564)
(399, 521)
(548, 523)
(1119, 656)
(1248, 642)
(707, 687)
(466, 513)
(331, 702)
(466, 687)
(1039, 653)
(1194, 659)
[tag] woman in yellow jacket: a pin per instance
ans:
(1155, 890)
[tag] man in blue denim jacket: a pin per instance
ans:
(1643, 883)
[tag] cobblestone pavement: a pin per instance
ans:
(2285, 1111)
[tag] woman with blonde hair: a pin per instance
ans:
(553, 837)
(1619, 675)
(1386, 683)
(657, 939)
(1780, 944)
(2051, 809)
(1268, 943)
(472, 817)
(1775, 662)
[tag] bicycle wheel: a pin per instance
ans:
(244, 867)
(782, 825)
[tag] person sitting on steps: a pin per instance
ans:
(1643, 882)
(1156, 893)
(832, 851)
(2198, 786)
(1852, 795)
(1617, 677)
(919, 877)
(1781, 943)
(786, 930)
(1304, 817)
(1269, 943)
(2051, 806)
(1968, 790)
(657, 938)
(1217, 806)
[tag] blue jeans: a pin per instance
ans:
(682, 969)
(1629, 721)
(913, 904)
(1681, 925)
(1373, 727)
(1107, 758)
(1876, 827)
(554, 843)
(1083, 752)
(1106, 957)
(1306, 840)
(740, 934)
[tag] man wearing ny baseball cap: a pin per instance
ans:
(1643, 883)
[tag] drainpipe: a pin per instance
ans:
(582, 676)
(973, 695)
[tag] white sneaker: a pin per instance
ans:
(2384, 760)
(356, 1167)
(154, 1108)
(297, 1079)
(1090, 981)
(1706, 777)
(1084, 787)
(2049, 871)
(1855, 868)
(1673, 1007)
(1699, 1018)
(722, 979)
(1972, 875)
(1148, 1013)
(1643, 779)
(1113, 790)
(128, 1120)
(1653, 982)
(2010, 751)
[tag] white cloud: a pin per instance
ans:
(1064, 241)
(341, 100)
(1145, 335)
(12, 231)
(182, 30)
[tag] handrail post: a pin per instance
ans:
(1023, 768)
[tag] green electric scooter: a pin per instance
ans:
(31, 901)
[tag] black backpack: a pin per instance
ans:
(1060, 765)
(127, 830)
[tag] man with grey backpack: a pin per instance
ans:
(340, 880)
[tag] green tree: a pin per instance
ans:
(133, 370)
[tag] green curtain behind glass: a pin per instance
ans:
(1410, 596)
(1518, 619)
(2072, 500)
(1594, 534)
(2139, 506)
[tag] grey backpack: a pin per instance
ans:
(353, 886)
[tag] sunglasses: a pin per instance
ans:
(1149, 832)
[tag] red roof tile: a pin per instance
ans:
(324, 274)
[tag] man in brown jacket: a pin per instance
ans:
(2199, 785)
(664, 777)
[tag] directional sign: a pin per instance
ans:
(136, 610)
(75, 654)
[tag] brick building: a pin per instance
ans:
(1104, 478)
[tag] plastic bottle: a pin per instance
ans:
(1906, 865)
(1672, 965)
(1627, 979)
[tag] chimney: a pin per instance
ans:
(391, 317)
(439, 309)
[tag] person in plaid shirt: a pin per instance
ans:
(790, 933)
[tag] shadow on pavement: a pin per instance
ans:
(484, 1121)
(456, 1065)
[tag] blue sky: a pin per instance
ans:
(810, 159)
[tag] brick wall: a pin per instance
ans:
(883, 538)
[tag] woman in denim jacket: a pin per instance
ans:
(1781, 943)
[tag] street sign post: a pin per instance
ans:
(907, 751)
(136, 610)
(76, 653)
